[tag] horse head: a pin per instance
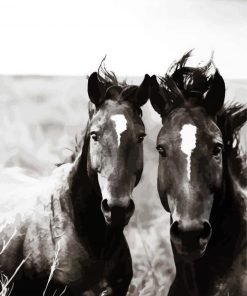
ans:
(116, 132)
(190, 145)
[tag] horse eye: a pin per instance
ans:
(140, 138)
(94, 136)
(217, 150)
(161, 150)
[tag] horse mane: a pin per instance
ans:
(183, 85)
(230, 120)
(78, 143)
(109, 78)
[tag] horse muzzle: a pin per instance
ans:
(117, 213)
(190, 239)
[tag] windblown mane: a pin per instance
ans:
(231, 119)
(184, 85)
(109, 78)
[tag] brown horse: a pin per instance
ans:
(66, 231)
(201, 180)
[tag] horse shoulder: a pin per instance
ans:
(17, 193)
(52, 238)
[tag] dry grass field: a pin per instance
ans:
(39, 118)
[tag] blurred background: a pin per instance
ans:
(48, 47)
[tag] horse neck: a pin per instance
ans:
(228, 216)
(226, 245)
(86, 201)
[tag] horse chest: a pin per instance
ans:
(55, 249)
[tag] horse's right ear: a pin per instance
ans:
(94, 89)
(156, 99)
(142, 93)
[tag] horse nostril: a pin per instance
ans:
(174, 230)
(191, 233)
(105, 207)
(206, 232)
(116, 212)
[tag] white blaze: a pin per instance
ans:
(102, 182)
(188, 135)
(120, 125)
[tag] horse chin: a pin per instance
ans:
(115, 224)
(191, 255)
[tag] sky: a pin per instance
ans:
(71, 37)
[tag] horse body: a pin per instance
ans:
(201, 181)
(65, 231)
(40, 228)
(41, 225)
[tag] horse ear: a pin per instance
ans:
(94, 89)
(142, 93)
(157, 100)
(215, 96)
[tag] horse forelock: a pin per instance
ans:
(186, 86)
(85, 133)
(108, 78)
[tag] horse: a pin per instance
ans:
(202, 179)
(65, 232)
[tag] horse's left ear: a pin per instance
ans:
(215, 96)
(95, 89)
(142, 93)
(159, 102)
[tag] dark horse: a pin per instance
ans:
(201, 180)
(68, 228)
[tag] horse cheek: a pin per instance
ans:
(216, 174)
(95, 156)
(136, 162)
(162, 186)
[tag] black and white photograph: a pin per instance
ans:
(123, 148)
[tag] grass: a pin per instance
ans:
(39, 118)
